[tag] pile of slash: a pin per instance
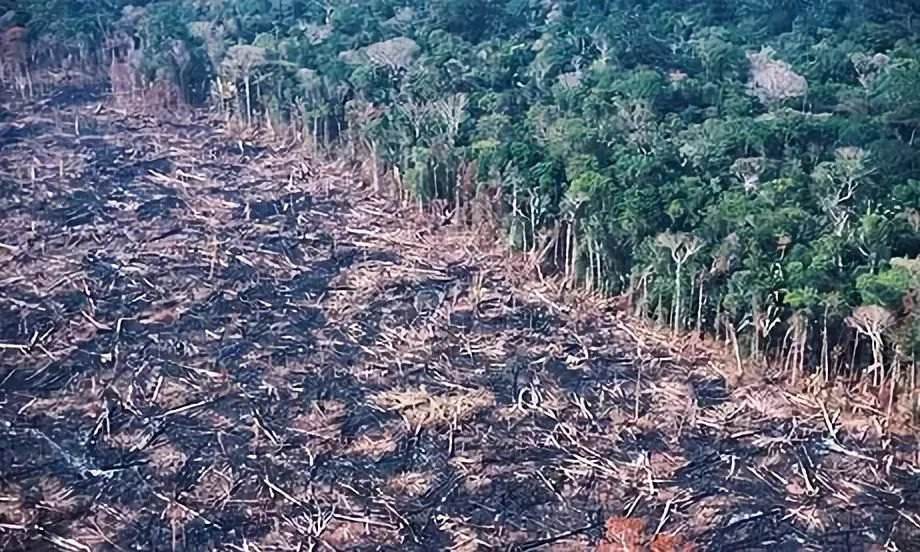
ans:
(209, 341)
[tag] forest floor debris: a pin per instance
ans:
(209, 341)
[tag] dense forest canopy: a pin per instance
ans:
(748, 168)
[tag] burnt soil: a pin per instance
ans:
(208, 341)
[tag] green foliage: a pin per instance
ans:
(81, 22)
(887, 288)
(624, 119)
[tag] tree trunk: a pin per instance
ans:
(375, 166)
(248, 102)
(855, 350)
(592, 253)
(825, 350)
(803, 343)
(699, 308)
(878, 357)
(574, 256)
(315, 134)
(730, 329)
(533, 219)
(458, 202)
(600, 267)
(677, 272)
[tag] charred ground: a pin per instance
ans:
(209, 342)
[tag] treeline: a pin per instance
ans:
(746, 168)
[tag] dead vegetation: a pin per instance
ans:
(209, 342)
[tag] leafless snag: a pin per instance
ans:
(124, 67)
(452, 112)
(873, 321)
(798, 333)
(395, 54)
(869, 68)
(749, 171)
(773, 81)
(361, 117)
(14, 59)
(240, 63)
(682, 247)
(838, 182)
(416, 113)
(182, 59)
(636, 119)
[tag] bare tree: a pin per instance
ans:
(798, 332)
(773, 81)
(240, 63)
(873, 321)
(868, 68)
(682, 247)
(362, 115)
(125, 65)
(636, 120)
(329, 7)
(395, 54)
(910, 265)
(839, 181)
(310, 98)
(553, 11)
(641, 283)
(182, 61)
(415, 113)
(912, 216)
(764, 321)
(14, 58)
(122, 79)
(601, 43)
(316, 34)
(749, 170)
(452, 112)
(571, 80)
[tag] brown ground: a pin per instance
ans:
(211, 343)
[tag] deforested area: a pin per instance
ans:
(628, 275)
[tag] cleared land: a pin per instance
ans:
(211, 342)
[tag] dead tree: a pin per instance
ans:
(14, 59)
(839, 181)
(873, 321)
(749, 171)
(452, 112)
(124, 66)
(795, 355)
(362, 116)
(416, 114)
(868, 70)
(773, 81)
(240, 63)
(395, 54)
(682, 247)
(181, 57)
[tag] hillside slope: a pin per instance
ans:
(209, 342)
(747, 168)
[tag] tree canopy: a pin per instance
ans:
(746, 167)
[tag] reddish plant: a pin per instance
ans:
(629, 535)
(670, 543)
(623, 535)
